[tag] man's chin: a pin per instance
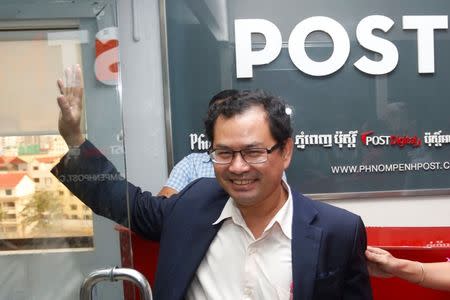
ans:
(243, 198)
(244, 202)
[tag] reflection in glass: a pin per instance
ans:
(36, 210)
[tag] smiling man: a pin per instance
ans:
(244, 235)
(251, 175)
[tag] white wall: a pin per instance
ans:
(400, 211)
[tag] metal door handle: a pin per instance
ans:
(115, 274)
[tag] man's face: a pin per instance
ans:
(250, 184)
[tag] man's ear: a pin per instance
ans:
(287, 152)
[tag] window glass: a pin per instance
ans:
(365, 84)
(33, 58)
(29, 141)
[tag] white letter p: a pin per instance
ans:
(245, 57)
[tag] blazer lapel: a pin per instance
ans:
(188, 263)
(193, 244)
(305, 248)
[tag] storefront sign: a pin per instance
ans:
(246, 58)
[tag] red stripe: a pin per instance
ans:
(422, 237)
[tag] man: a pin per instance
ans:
(244, 235)
(194, 165)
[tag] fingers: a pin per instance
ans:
(376, 250)
(67, 81)
(60, 84)
(372, 256)
(71, 106)
(77, 81)
(71, 88)
(64, 106)
(373, 249)
(376, 255)
(72, 80)
(69, 76)
(62, 102)
(377, 262)
(71, 91)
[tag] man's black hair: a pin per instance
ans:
(222, 95)
(275, 108)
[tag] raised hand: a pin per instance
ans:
(70, 102)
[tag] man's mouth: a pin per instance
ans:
(241, 181)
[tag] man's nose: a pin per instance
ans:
(238, 164)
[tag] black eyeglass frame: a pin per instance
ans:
(242, 151)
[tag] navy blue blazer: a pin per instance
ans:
(328, 243)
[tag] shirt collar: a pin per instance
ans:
(283, 217)
(230, 211)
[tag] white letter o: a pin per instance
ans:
(341, 46)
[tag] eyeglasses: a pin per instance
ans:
(249, 155)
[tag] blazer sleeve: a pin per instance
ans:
(357, 281)
(90, 176)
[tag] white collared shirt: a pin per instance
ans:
(238, 266)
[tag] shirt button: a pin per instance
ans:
(248, 291)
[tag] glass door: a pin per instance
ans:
(49, 240)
